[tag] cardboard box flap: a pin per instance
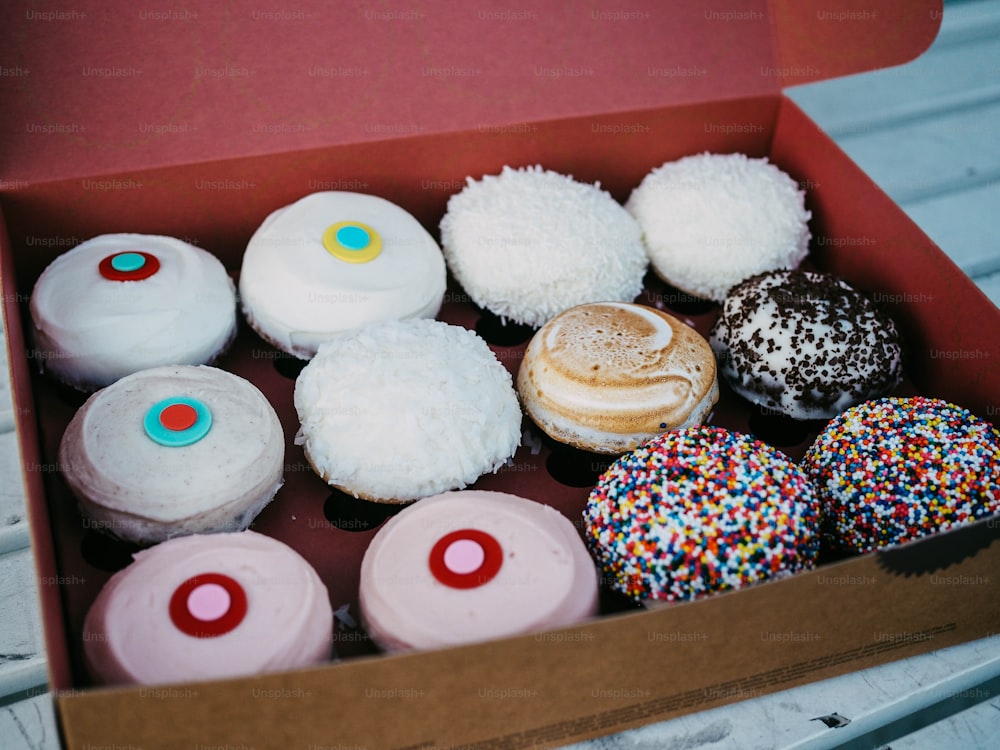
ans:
(820, 40)
(157, 85)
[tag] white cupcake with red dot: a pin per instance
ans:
(334, 261)
(208, 607)
(120, 303)
(171, 451)
(469, 566)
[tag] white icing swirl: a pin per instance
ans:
(297, 295)
(89, 331)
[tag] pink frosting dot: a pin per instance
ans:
(208, 602)
(464, 556)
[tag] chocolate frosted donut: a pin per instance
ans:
(605, 376)
(805, 344)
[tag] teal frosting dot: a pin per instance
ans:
(177, 438)
(353, 238)
(126, 262)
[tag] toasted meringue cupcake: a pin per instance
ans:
(606, 376)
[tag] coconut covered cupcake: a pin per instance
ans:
(709, 221)
(529, 243)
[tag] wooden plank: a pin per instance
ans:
(789, 719)
(931, 157)
(991, 287)
(22, 650)
(978, 726)
(964, 224)
(29, 724)
(6, 397)
(13, 513)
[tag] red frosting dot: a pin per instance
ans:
(178, 417)
(466, 559)
(151, 264)
(201, 616)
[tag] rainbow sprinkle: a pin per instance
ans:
(701, 510)
(895, 469)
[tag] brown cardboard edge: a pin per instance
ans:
(424, 699)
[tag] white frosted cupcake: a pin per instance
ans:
(334, 261)
(120, 303)
(171, 451)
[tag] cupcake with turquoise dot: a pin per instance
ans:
(171, 451)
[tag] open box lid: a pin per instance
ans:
(107, 87)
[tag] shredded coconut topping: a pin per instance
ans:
(401, 410)
(711, 220)
(529, 243)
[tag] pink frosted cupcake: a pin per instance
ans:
(206, 607)
(471, 566)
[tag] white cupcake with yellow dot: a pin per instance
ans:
(334, 261)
